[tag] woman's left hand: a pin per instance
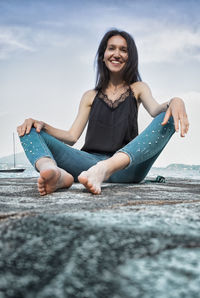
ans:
(177, 111)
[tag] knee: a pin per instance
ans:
(31, 133)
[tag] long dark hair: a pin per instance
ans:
(130, 72)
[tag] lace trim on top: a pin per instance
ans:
(114, 104)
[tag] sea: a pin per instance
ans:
(172, 171)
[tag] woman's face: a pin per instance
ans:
(116, 54)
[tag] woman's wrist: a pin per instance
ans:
(168, 103)
(45, 126)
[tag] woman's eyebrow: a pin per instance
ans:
(114, 45)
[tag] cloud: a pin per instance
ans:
(173, 43)
(13, 40)
(159, 38)
(53, 24)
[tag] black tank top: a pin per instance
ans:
(111, 125)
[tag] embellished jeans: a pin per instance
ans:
(142, 151)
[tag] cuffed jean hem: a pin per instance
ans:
(129, 155)
(45, 156)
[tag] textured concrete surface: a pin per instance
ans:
(138, 240)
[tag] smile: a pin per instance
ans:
(115, 62)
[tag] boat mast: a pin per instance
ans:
(14, 148)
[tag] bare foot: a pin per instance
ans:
(93, 178)
(52, 179)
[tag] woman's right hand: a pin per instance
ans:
(25, 128)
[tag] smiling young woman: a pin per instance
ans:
(113, 150)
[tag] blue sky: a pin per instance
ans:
(47, 51)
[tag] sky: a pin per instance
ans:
(47, 54)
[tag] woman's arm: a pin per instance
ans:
(67, 136)
(175, 107)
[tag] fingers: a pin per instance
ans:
(29, 124)
(25, 128)
(176, 121)
(184, 123)
(178, 112)
(167, 116)
(38, 125)
(20, 131)
(187, 125)
(180, 117)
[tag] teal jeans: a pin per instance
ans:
(143, 151)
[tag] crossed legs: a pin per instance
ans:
(52, 177)
(125, 166)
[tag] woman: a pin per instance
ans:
(113, 150)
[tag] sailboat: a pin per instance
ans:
(14, 169)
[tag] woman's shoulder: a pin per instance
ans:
(138, 87)
(89, 96)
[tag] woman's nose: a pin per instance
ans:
(116, 53)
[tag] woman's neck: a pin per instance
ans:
(115, 85)
(115, 81)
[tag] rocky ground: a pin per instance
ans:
(138, 240)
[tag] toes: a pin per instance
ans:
(97, 192)
(42, 190)
(40, 182)
(89, 185)
(41, 187)
(83, 180)
(43, 193)
(93, 189)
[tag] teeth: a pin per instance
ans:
(116, 62)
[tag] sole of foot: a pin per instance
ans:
(52, 179)
(88, 185)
